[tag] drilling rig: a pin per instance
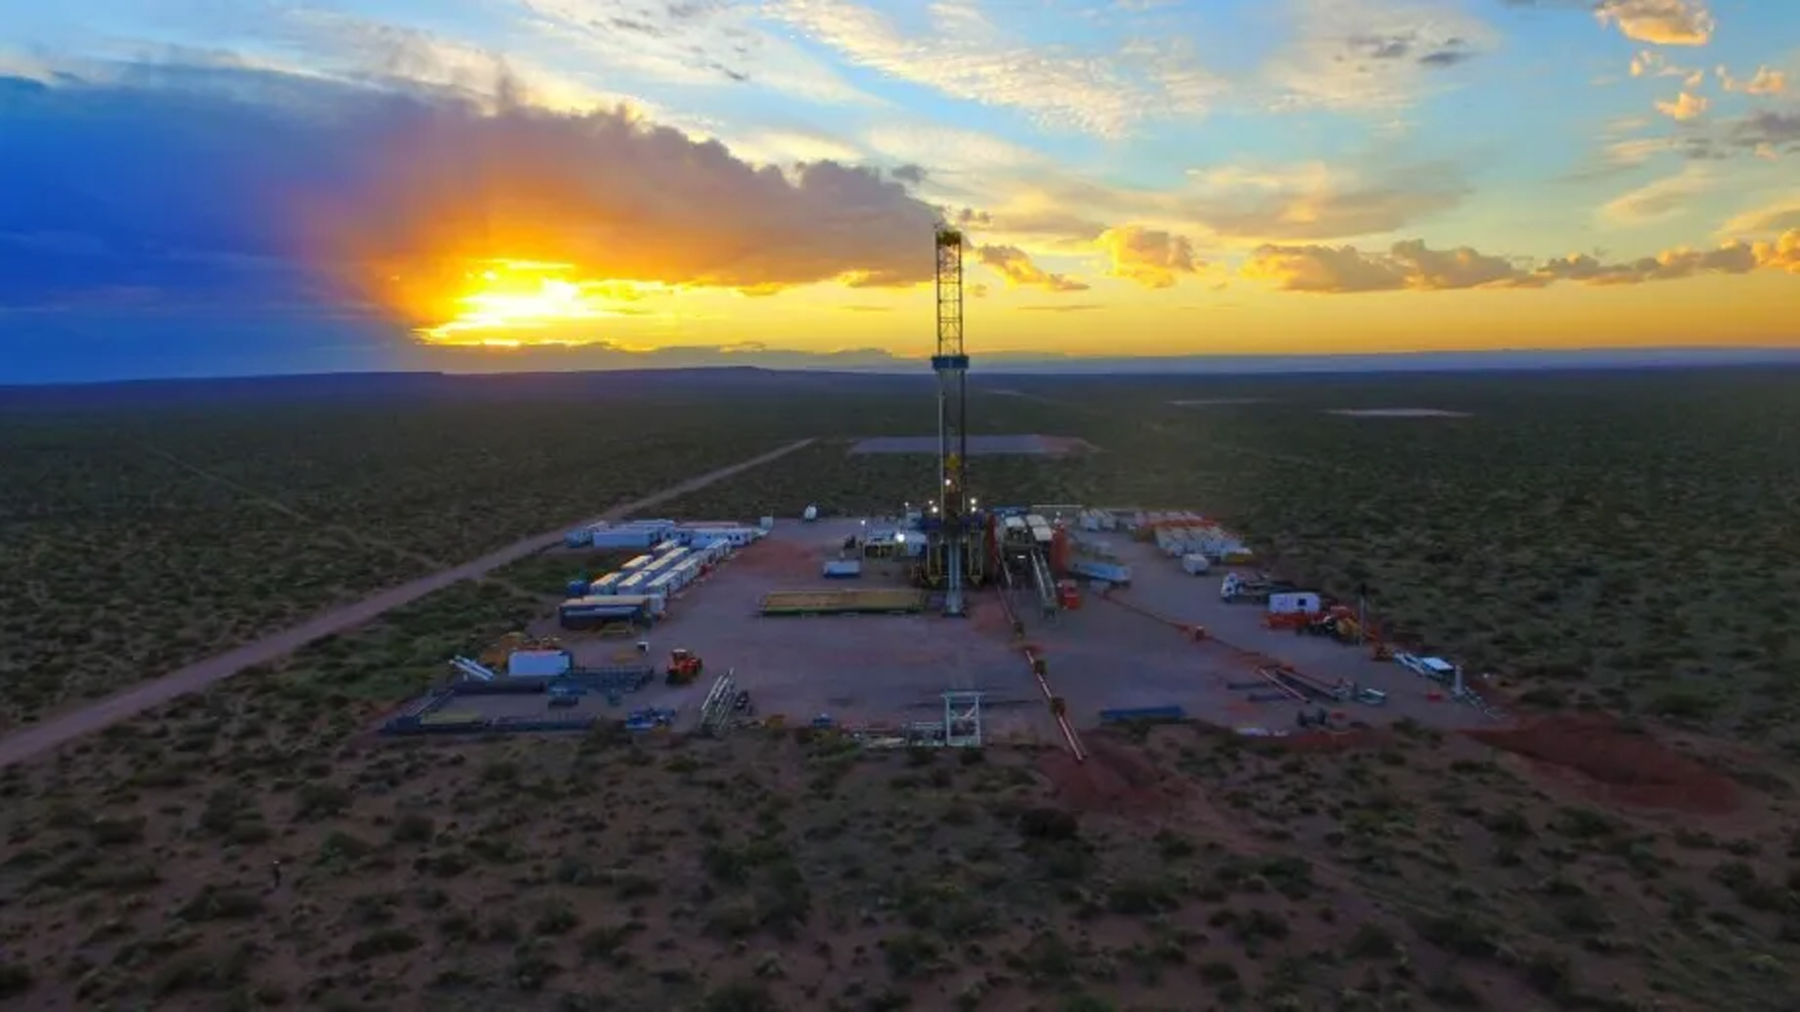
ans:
(954, 559)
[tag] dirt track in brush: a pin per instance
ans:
(44, 737)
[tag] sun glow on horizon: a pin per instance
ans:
(499, 298)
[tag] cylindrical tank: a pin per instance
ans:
(1059, 551)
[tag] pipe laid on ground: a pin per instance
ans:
(1062, 720)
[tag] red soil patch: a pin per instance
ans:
(1617, 766)
(779, 558)
(1115, 778)
(988, 618)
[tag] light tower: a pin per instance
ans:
(951, 365)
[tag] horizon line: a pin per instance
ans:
(1061, 364)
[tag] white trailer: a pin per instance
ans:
(1290, 602)
(1194, 565)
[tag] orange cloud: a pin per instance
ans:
(1764, 82)
(1686, 106)
(1014, 264)
(609, 198)
(1412, 266)
(1659, 22)
(1151, 257)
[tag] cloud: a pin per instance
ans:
(1659, 22)
(1659, 200)
(789, 146)
(266, 186)
(1369, 54)
(967, 57)
(1766, 133)
(1650, 63)
(1684, 107)
(1016, 267)
(1764, 82)
(1313, 201)
(1412, 266)
(692, 42)
(1151, 257)
(1770, 219)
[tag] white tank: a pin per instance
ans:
(811, 513)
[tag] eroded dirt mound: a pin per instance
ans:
(1618, 765)
(1115, 778)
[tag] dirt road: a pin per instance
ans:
(37, 739)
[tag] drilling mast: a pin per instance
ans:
(951, 364)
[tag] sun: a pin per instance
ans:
(507, 303)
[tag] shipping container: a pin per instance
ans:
(621, 539)
(632, 584)
(537, 663)
(607, 584)
(843, 569)
(577, 588)
(1111, 572)
(637, 563)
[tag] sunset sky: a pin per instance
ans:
(208, 187)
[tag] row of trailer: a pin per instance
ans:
(651, 534)
(640, 590)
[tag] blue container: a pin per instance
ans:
(1142, 713)
(578, 588)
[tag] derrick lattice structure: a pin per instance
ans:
(951, 555)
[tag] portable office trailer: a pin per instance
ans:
(606, 584)
(616, 538)
(664, 563)
(734, 535)
(1296, 601)
(587, 612)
